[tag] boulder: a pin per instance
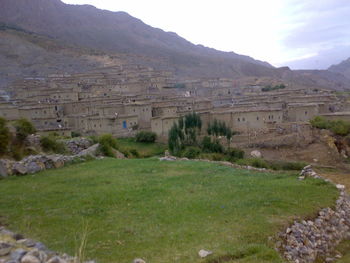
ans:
(6, 167)
(57, 161)
(20, 168)
(5, 249)
(204, 253)
(18, 254)
(118, 154)
(76, 145)
(30, 259)
(168, 158)
(91, 151)
(34, 167)
(256, 154)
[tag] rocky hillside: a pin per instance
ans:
(53, 37)
(343, 68)
(119, 32)
(25, 54)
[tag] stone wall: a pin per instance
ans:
(308, 241)
(15, 248)
(36, 163)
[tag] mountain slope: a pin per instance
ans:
(39, 56)
(122, 33)
(342, 68)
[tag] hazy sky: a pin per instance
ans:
(298, 33)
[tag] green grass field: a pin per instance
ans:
(160, 211)
(144, 149)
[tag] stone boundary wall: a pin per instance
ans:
(306, 241)
(15, 248)
(36, 163)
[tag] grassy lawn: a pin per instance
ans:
(344, 249)
(144, 149)
(160, 211)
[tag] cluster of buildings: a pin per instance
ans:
(125, 99)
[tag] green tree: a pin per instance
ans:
(184, 133)
(23, 129)
(5, 136)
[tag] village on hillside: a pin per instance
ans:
(125, 99)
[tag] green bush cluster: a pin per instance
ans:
(107, 144)
(5, 136)
(192, 152)
(23, 129)
(75, 134)
(271, 88)
(13, 145)
(234, 154)
(184, 133)
(50, 143)
(273, 165)
(211, 146)
(338, 127)
(146, 136)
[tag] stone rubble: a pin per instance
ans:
(14, 248)
(204, 253)
(76, 145)
(233, 165)
(36, 163)
(306, 241)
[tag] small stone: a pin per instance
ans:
(18, 236)
(204, 253)
(26, 242)
(17, 254)
(340, 186)
(138, 260)
(5, 249)
(56, 259)
(256, 154)
(30, 259)
(40, 246)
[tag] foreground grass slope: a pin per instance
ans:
(160, 211)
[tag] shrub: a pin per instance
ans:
(340, 127)
(107, 143)
(5, 136)
(23, 129)
(135, 153)
(271, 88)
(282, 165)
(234, 154)
(255, 162)
(192, 152)
(320, 123)
(50, 144)
(75, 134)
(259, 163)
(210, 146)
(146, 136)
(184, 133)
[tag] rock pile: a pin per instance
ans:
(308, 172)
(14, 248)
(76, 145)
(306, 241)
(36, 163)
(168, 157)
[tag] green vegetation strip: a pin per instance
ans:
(160, 211)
